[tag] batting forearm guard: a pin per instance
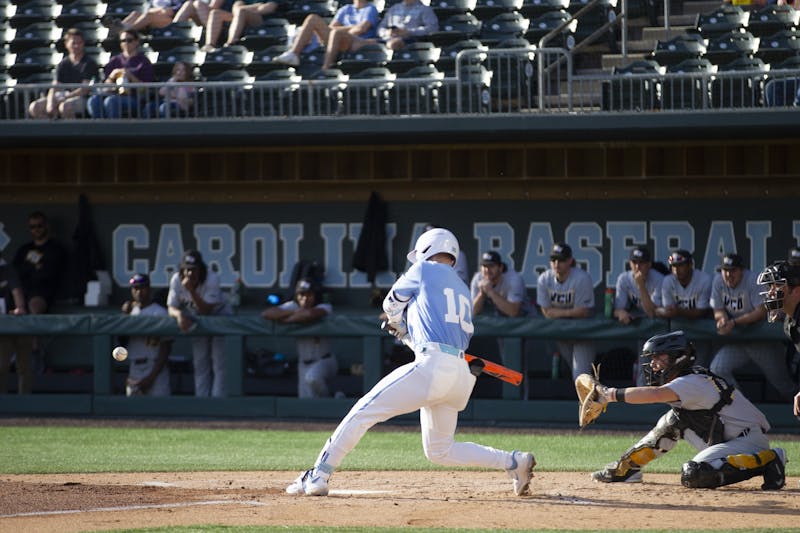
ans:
(394, 306)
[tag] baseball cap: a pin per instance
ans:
(139, 280)
(640, 254)
(794, 256)
(491, 258)
(731, 261)
(191, 259)
(679, 257)
(304, 285)
(561, 251)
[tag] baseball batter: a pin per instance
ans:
(737, 302)
(431, 305)
(728, 431)
(567, 291)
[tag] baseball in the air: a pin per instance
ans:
(119, 353)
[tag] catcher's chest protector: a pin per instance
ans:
(706, 422)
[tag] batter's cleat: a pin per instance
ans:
(775, 472)
(610, 474)
(297, 485)
(521, 471)
(314, 484)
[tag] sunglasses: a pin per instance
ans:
(128, 40)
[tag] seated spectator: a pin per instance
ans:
(405, 22)
(353, 26)
(686, 291)
(194, 291)
(638, 290)
(175, 97)
(241, 15)
(158, 15)
(40, 265)
(316, 363)
(75, 67)
(149, 373)
(129, 66)
(199, 11)
(12, 302)
(567, 291)
(737, 303)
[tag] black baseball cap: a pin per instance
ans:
(640, 254)
(794, 256)
(560, 251)
(192, 259)
(304, 285)
(139, 280)
(731, 261)
(491, 258)
(679, 257)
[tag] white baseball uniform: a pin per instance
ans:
(438, 382)
(143, 354)
(575, 291)
(769, 356)
(628, 296)
(695, 295)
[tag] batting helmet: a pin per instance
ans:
(778, 275)
(681, 357)
(432, 242)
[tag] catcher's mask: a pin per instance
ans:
(776, 277)
(681, 357)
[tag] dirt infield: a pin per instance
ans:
(459, 499)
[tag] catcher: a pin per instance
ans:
(728, 431)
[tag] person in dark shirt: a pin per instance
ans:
(12, 302)
(40, 264)
(76, 67)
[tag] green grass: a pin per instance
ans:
(56, 449)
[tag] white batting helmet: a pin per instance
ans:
(432, 242)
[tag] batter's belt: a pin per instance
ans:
(429, 347)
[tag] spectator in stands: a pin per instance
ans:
(405, 22)
(567, 291)
(199, 11)
(176, 98)
(149, 373)
(40, 264)
(240, 16)
(353, 26)
(316, 363)
(638, 290)
(158, 15)
(194, 291)
(129, 66)
(75, 67)
(12, 302)
(737, 302)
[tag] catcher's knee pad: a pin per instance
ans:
(746, 461)
(700, 476)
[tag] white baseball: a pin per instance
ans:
(119, 353)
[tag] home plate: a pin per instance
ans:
(349, 492)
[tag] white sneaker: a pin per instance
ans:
(287, 58)
(297, 485)
(315, 485)
(521, 471)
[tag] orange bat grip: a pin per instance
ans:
(499, 371)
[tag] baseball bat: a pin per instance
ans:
(490, 368)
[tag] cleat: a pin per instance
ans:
(315, 485)
(521, 471)
(775, 471)
(297, 485)
(288, 58)
(610, 474)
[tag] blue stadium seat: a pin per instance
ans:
(779, 47)
(226, 97)
(298, 10)
(166, 59)
(501, 27)
(413, 55)
(513, 76)
(371, 98)
(633, 87)
(368, 56)
(79, 11)
(472, 83)
(325, 97)
(274, 30)
(34, 61)
(771, 19)
(729, 46)
(419, 97)
(679, 48)
(445, 8)
(121, 8)
(455, 28)
(235, 57)
(740, 91)
(594, 19)
(32, 12)
(487, 9)
(276, 96)
(36, 35)
(531, 9)
(174, 35)
(261, 62)
(686, 92)
(447, 59)
(724, 19)
(547, 22)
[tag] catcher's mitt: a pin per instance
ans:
(592, 397)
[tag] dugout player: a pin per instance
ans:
(430, 306)
(719, 421)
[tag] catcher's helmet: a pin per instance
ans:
(432, 242)
(681, 357)
(778, 275)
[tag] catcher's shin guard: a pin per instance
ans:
(736, 468)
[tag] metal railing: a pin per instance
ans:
(493, 81)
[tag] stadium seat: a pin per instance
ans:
(771, 19)
(412, 55)
(33, 61)
(235, 57)
(298, 10)
(594, 19)
(513, 76)
(447, 60)
(633, 87)
(325, 96)
(740, 91)
(487, 9)
(782, 83)
(311, 62)
(547, 22)
(166, 59)
(174, 35)
(729, 46)
(6, 59)
(724, 19)
(456, 28)
(532, 9)
(94, 34)
(36, 35)
(100, 57)
(473, 83)
(445, 8)
(32, 12)
(275, 96)
(679, 48)
(121, 8)
(503, 27)
(779, 47)
(371, 98)
(418, 97)
(687, 92)
(274, 30)
(224, 96)
(261, 62)
(79, 11)
(368, 56)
